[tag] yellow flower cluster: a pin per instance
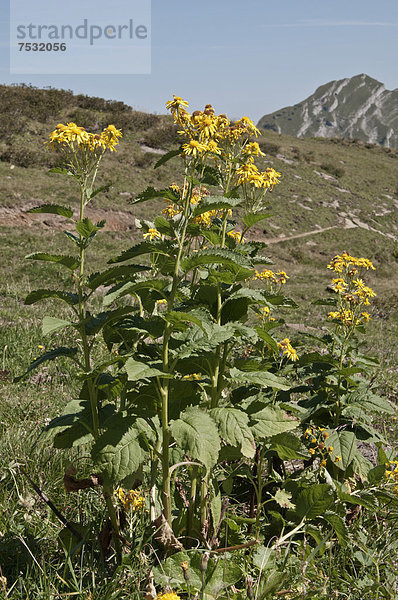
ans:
(352, 292)
(71, 135)
(392, 474)
(264, 314)
(249, 174)
(287, 350)
(198, 193)
(132, 500)
(267, 275)
(349, 264)
(316, 437)
(216, 136)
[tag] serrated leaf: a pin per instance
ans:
(47, 356)
(62, 171)
(215, 203)
(270, 421)
(51, 324)
(87, 229)
(261, 378)
(220, 256)
(196, 433)
(53, 209)
(166, 157)
(103, 188)
(283, 498)
(254, 218)
(133, 287)
(138, 370)
(233, 425)
(267, 338)
(114, 275)
(150, 194)
(141, 249)
(325, 302)
(344, 445)
(289, 447)
(37, 295)
(176, 317)
(118, 451)
(338, 525)
(314, 501)
(71, 262)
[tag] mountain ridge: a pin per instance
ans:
(358, 107)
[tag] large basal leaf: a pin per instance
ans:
(38, 295)
(137, 370)
(196, 433)
(344, 445)
(118, 451)
(261, 378)
(220, 574)
(70, 262)
(54, 209)
(270, 421)
(233, 425)
(314, 501)
(47, 356)
(51, 324)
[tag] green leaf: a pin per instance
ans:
(345, 446)
(215, 203)
(220, 256)
(325, 302)
(211, 176)
(103, 188)
(132, 288)
(62, 171)
(87, 229)
(289, 447)
(270, 421)
(253, 218)
(196, 433)
(260, 378)
(283, 498)
(118, 451)
(233, 425)
(338, 525)
(151, 194)
(166, 157)
(314, 501)
(175, 318)
(164, 226)
(47, 356)
(114, 275)
(54, 209)
(141, 249)
(268, 339)
(70, 262)
(51, 324)
(138, 370)
(37, 295)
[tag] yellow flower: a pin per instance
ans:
(236, 235)
(287, 349)
(337, 459)
(193, 377)
(323, 463)
(152, 234)
(311, 451)
(72, 136)
(330, 449)
(176, 103)
(194, 148)
(325, 435)
(253, 149)
(169, 596)
(132, 500)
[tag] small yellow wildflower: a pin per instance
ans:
(194, 148)
(132, 500)
(152, 234)
(176, 103)
(323, 463)
(311, 451)
(330, 449)
(288, 350)
(236, 235)
(337, 459)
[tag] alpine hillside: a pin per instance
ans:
(353, 108)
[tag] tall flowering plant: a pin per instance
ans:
(194, 392)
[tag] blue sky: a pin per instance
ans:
(246, 58)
